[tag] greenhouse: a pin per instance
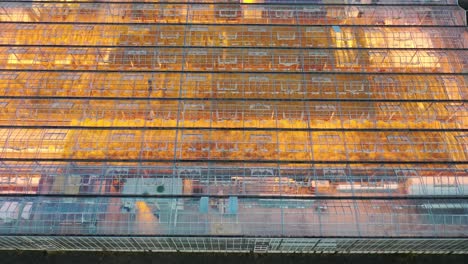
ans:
(234, 126)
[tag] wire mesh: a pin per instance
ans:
(318, 126)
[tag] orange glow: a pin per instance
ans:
(128, 59)
(145, 220)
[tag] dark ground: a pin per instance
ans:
(463, 3)
(17, 257)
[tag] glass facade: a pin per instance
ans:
(237, 126)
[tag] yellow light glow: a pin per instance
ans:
(146, 221)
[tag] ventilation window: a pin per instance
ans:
(8, 76)
(397, 139)
(431, 146)
(227, 60)
(286, 35)
(224, 86)
(290, 87)
(169, 35)
(123, 137)
(18, 51)
(135, 52)
(406, 173)
(167, 59)
(262, 172)
(198, 52)
(69, 76)
(196, 107)
(62, 105)
(390, 108)
(259, 106)
(77, 51)
(325, 108)
(190, 172)
(463, 140)
(288, 60)
(258, 53)
(452, 108)
(133, 77)
(356, 87)
(83, 27)
(199, 29)
(195, 142)
(54, 136)
(126, 106)
(315, 29)
(334, 173)
(417, 87)
(283, 13)
(329, 139)
(228, 13)
(25, 27)
(377, 56)
(227, 36)
(256, 29)
(261, 138)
